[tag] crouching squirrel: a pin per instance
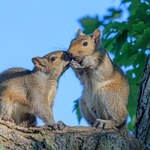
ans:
(25, 94)
(105, 86)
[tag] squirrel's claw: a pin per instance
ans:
(75, 65)
(104, 124)
(57, 126)
(6, 118)
(61, 125)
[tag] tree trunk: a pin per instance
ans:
(70, 138)
(142, 127)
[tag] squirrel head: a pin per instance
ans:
(54, 64)
(84, 45)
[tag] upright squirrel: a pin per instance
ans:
(105, 86)
(25, 93)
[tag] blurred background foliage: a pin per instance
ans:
(128, 40)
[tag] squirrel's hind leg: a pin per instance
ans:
(28, 120)
(6, 110)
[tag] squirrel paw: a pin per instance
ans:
(26, 124)
(75, 65)
(61, 125)
(88, 62)
(57, 126)
(23, 124)
(104, 124)
(7, 119)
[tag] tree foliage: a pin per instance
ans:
(127, 39)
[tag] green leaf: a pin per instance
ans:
(90, 24)
(123, 1)
(132, 123)
(77, 110)
(120, 39)
(113, 14)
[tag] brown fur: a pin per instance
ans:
(25, 93)
(105, 87)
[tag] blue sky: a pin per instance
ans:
(31, 28)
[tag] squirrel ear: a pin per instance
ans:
(39, 63)
(96, 36)
(80, 32)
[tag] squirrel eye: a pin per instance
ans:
(85, 43)
(53, 58)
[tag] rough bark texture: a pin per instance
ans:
(70, 138)
(142, 127)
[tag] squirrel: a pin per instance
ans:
(27, 119)
(104, 99)
(25, 94)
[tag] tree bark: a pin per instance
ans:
(70, 138)
(142, 127)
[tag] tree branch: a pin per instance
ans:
(70, 138)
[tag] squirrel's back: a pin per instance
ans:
(13, 73)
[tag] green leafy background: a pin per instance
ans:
(128, 41)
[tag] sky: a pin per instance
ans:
(30, 28)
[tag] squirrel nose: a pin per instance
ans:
(70, 55)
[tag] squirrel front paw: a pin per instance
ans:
(88, 62)
(57, 126)
(75, 65)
